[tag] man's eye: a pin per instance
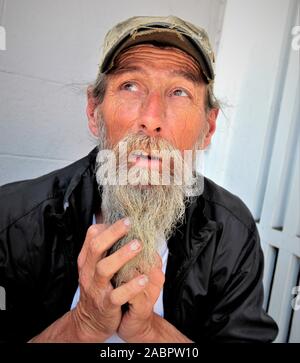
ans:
(128, 86)
(180, 92)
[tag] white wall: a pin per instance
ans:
(255, 153)
(251, 68)
(53, 48)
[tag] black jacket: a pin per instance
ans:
(213, 289)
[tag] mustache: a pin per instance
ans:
(119, 162)
(149, 145)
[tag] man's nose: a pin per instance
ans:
(152, 115)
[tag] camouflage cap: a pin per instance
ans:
(169, 31)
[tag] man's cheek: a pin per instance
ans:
(125, 115)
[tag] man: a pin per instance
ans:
(154, 264)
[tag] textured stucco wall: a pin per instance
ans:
(52, 52)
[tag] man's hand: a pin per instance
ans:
(98, 312)
(137, 324)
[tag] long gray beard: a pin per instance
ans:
(154, 211)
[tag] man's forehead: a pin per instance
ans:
(138, 59)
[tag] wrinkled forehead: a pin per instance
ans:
(178, 61)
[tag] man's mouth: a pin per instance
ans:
(145, 160)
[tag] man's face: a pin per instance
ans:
(154, 100)
(156, 92)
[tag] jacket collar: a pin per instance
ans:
(84, 167)
(81, 200)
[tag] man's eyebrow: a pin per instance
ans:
(190, 76)
(122, 70)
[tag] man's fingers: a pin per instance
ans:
(150, 294)
(129, 290)
(158, 261)
(141, 306)
(157, 277)
(105, 240)
(91, 234)
(108, 266)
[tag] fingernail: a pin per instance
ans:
(127, 222)
(134, 245)
(143, 280)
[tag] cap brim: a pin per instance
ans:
(166, 37)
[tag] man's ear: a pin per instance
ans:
(91, 112)
(211, 126)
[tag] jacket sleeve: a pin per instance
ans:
(237, 314)
(17, 318)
